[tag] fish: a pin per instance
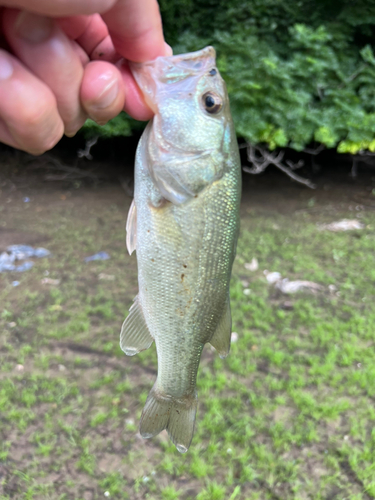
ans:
(183, 224)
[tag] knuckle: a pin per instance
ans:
(40, 128)
(36, 115)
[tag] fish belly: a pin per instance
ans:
(185, 255)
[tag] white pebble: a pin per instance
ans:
(234, 337)
(253, 265)
(272, 277)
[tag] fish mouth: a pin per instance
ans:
(174, 68)
(165, 70)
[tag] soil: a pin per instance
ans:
(25, 180)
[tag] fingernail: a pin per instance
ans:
(168, 51)
(32, 27)
(108, 95)
(6, 67)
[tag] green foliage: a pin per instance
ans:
(122, 125)
(297, 72)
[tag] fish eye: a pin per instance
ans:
(212, 103)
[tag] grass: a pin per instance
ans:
(288, 415)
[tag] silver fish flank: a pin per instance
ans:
(183, 223)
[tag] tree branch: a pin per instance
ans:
(260, 158)
(85, 153)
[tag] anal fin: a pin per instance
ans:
(221, 338)
(135, 335)
(131, 229)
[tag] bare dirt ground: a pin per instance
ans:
(70, 401)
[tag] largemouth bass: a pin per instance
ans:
(183, 223)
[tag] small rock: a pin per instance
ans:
(288, 287)
(106, 277)
(287, 306)
(62, 368)
(272, 277)
(253, 265)
(234, 337)
(20, 368)
(247, 291)
(50, 281)
(98, 256)
(342, 225)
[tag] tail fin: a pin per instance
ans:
(175, 415)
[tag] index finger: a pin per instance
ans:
(136, 29)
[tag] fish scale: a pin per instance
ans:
(184, 226)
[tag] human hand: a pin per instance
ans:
(64, 61)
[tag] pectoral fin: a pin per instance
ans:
(221, 338)
(131, 229)
(135, 336)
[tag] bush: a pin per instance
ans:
(297, 72)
